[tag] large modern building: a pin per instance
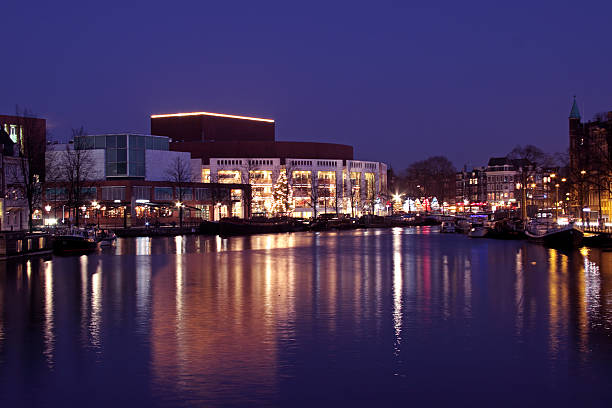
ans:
(324, 177)
(131, 180)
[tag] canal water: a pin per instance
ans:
(357, 318)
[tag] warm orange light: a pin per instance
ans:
(221, 115)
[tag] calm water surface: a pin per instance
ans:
(359, 318)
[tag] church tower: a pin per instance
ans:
(576, 136)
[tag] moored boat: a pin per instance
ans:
(462, 225)
(478, 231)
(209, 228)
(507, 229)
(228, 227)
(105, 237)
(73, 244)
(447, 227)
(564, 238)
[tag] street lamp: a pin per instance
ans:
(47, 209)
(96, 205)
(179, 205)
(556, 201)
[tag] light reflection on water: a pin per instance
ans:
(297, 319)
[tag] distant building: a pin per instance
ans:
(14, 213)
(501, 176)
(471, 186)
(20, 127)
(591, 164)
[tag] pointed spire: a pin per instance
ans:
(574, 113)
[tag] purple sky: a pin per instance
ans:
(468, 80)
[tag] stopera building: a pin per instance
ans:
(324, 177)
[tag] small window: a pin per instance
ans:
(111, 141)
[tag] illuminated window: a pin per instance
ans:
(236, 194)
(229, 176)
(370, 185)
(326, 190)
(354, 192)
(302, 188)
(261, 191)
(205, 175)
(13, 133)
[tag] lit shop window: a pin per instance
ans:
(301, 182)
(260, 177)
(354, 193)
(370, 185)
(205, 175)
(236, 194)
(229, 176)
(327, 188)
(237, 210)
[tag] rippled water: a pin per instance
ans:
(363, 318)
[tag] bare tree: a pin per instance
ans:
(351, 192)
(527, 160)
(29, 173)
(179, 172)
(77, 171)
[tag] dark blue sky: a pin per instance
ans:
(464, 79)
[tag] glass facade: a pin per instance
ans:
(113, 193)
(163, 193)
(302, 188)
(124, 154)
(370, 185)
(326, 189)
(262, 186)
(229, 176)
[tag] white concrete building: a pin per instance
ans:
(318, 185)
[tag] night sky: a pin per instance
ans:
(468, 80)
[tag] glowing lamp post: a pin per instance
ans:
(47, 209)
(179, 205)
(96, 205)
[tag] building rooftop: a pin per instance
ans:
(220, 115)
